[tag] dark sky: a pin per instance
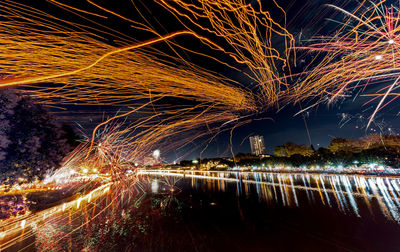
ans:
(345, 118)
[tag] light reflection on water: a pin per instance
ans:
(346, 193)
(165, 205)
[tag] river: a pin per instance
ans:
(232, 211)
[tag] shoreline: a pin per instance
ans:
(367, 174)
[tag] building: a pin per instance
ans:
(257, 145)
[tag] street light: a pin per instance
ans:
(156, 154)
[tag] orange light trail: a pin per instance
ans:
(248, 32)
(31, 80)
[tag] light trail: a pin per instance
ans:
(84, 71)
(87, 66)
(10, 236)
(30, 80)
(248, 33)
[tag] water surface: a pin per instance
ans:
(228, 211)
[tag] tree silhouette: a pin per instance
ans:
(31, 142)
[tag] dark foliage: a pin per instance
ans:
(31, 142)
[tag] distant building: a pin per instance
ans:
(257, 145)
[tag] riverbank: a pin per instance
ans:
(390, 172)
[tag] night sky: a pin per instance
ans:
(344, 118)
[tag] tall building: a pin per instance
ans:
(257, 145)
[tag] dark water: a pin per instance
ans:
(286, 216)
(232, 212)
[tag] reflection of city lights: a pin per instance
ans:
(344, 188)
(154, 186)
(85, 170)
(23, 222)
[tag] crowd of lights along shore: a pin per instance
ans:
(77, 67)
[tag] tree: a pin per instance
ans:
(280, 151)
(31, 143)
(376, 141)
(346, 145)
(8, 101)
(290, 148)
(246, 158)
